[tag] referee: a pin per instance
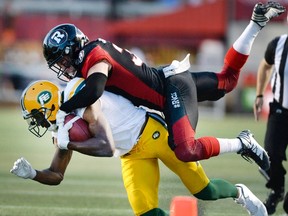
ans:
(274, 68)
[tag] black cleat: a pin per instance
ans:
(262, 13)
(252, 150)
(272, 201)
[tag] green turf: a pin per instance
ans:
(93, 186)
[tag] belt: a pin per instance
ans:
(156, 117)
(144, 125)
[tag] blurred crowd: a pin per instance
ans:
(129, 23)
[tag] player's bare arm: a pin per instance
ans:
(50, 176)
(263, 77)
(96, 146)
(102, 143)
(55, 173)
(101, 67)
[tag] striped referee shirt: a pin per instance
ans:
(276, 54)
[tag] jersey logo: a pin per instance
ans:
(156, 135)
(44, 97)
(58, 37)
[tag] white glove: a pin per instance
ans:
(63, 133)
(60, 117)
(63, 137)
(54, 134)
(22, 168)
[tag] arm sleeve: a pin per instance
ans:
(270, 51)
(95, 85)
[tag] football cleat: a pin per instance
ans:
(262, 13)
(273, 199)
(251, 149)
(249, 201)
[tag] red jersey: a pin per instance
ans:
(129, 76)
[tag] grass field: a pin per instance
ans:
(93, 186)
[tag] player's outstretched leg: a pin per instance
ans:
(262, 13)
(238, 54)
(249, 201)
(252, 149)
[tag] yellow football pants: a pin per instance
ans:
(140, 169)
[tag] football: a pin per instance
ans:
(79, 131)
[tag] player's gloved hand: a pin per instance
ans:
(63, 133)
(22, 168)
(60, 117)
(63, 137)
(54, 134)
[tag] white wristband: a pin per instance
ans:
(32, 174)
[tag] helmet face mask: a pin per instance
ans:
(64, 69)
(37, 121)
(40, 102)
(62, 44)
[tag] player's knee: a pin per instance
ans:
(188, 151)
(228, 78)
(231, 84)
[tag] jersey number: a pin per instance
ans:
(137, 61)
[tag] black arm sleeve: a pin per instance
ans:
(95, 85)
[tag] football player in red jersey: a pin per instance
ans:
(104, 65)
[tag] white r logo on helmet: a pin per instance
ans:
(59, 37)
